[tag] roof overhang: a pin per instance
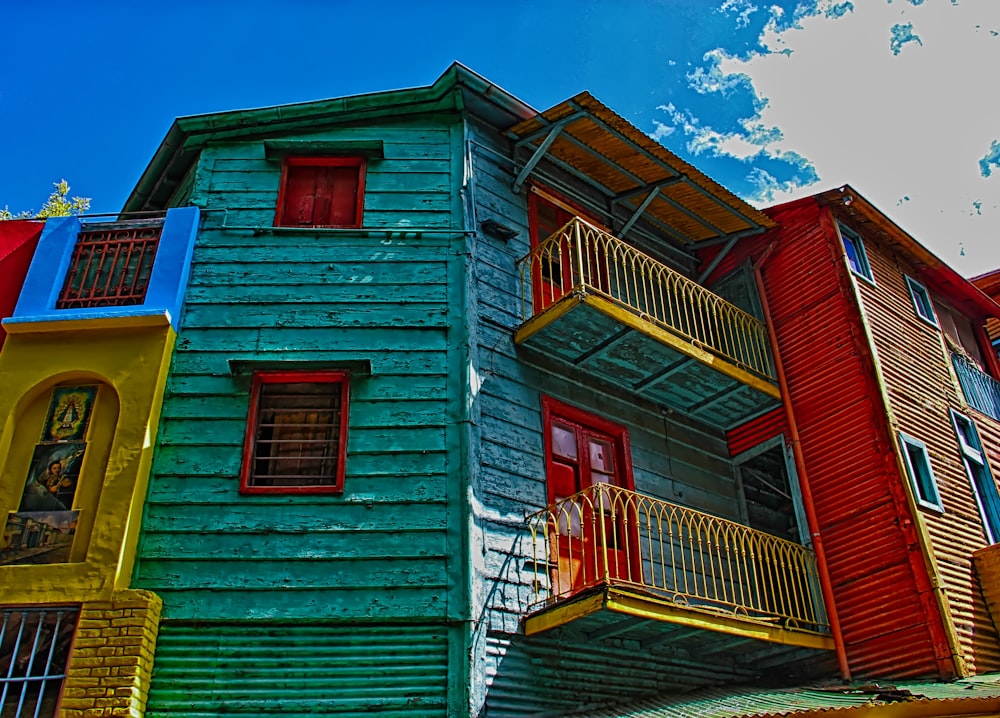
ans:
(458, 88)
(635, 174)
(848, 204)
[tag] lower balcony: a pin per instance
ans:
(613, 562)
(593, 301)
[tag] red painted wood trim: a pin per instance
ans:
(286, 377)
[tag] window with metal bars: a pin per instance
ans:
(110, 267)
(34, 652)
(296, 439)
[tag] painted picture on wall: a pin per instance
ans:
(53, 477)
(38, 537)
(69, 413)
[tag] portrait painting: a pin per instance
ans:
(53, 476)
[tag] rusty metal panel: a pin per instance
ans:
(252, 668)
(916, 367)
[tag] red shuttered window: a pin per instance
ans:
(296, 438)
(321, 192)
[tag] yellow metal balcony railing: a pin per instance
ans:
(610, 536)
(580, 258)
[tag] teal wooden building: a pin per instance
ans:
(449, 427)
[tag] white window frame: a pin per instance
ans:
(927, 496)
(849, 236)
(977, 469)
(926, 304)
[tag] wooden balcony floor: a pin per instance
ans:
(600, 337)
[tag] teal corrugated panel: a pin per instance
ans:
(299, 669)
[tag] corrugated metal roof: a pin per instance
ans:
(593, 141)
(970, 696)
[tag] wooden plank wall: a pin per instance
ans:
(919, 378)
(676, 459)
(390, 549)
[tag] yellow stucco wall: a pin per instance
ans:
(130, 365)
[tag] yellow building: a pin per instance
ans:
(84, 367)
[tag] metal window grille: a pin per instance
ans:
(34, 652)
(298, 434)
(110, 267)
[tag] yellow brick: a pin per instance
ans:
(83, 681)
(87, 662)
(77, 703)
(73, 692)
(102, 671)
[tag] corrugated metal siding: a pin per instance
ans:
(917, 372)
(752, 433)
(298, 669)
(848, 453)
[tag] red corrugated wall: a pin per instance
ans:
(883, 594)
(757, 431)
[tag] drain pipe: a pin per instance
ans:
(800, 467)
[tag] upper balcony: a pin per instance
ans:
(980, 389)
(609, 561)
(594, 301)
(123, 272)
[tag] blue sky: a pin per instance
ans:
(773, 99)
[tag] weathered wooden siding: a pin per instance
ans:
(392, 547)
(848, 451)
(675, 459)
(916, 368)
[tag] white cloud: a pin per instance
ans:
(909, 112)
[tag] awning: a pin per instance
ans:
(634, 172)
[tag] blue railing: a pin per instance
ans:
(981, 390)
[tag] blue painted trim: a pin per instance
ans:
(167, 284)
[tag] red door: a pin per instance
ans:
(591, 533)
(551, 274)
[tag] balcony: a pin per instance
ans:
(981, 391)
(120, 273)
(593, 301)
(111, 265)
(612, 560)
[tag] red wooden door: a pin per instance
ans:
(590, 539)
(551, 275)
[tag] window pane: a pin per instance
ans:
(297, 438)
(563, 441)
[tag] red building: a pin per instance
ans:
(18, 238)
(891, 409)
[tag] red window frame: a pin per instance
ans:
(283, 214)
(248, 473)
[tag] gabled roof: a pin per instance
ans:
(604, 150)
(848, 204)
(458, 88)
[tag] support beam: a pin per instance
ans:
(536, 157)
(638, 212)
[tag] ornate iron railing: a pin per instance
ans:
(981, 390)
(606, 535)
(110, 266)
(580, 257)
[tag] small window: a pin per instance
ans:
(296, 436)
(36, 646)
(921, 300)
(855, 250)
(978, 471)
(918, 465)
(321, 192)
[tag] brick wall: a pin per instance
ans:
(112, 657)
